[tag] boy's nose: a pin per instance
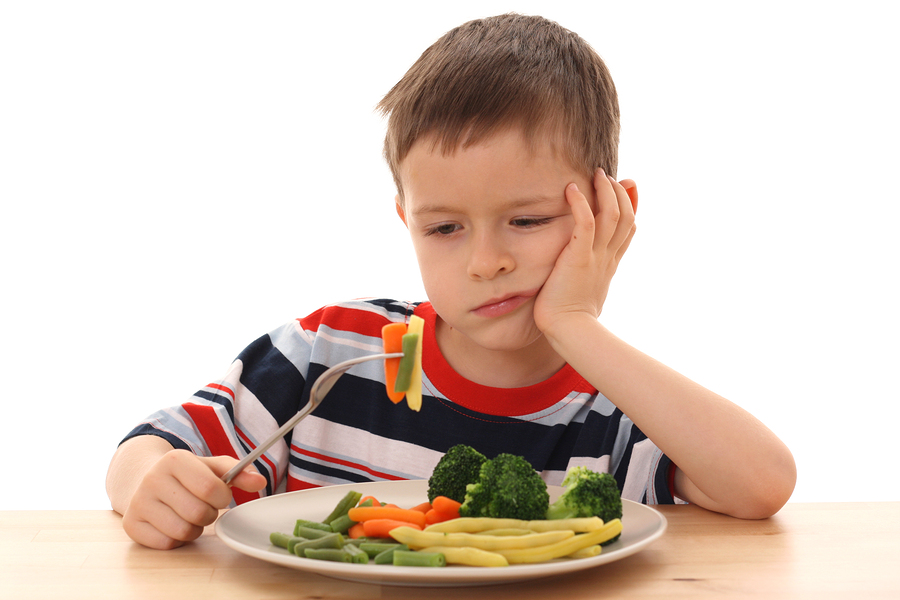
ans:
(488, 258)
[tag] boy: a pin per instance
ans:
(502, 140)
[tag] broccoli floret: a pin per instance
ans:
(458, 468)
(588, 494)
(508, 487)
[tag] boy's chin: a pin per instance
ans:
(502, 339)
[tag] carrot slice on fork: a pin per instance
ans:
(392, 337)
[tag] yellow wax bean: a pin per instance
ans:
(563, 548)
(481, 524)
(421, 539)
(471, 557)
(509, 531)
(587, 552)
(414, 393)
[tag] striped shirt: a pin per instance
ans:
(356, 434)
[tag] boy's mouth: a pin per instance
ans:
(498, 307)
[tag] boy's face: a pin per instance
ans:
(487, 223)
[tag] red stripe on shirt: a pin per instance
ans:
(210, 428)
(295, 485)
(222, 388)
(263, 457)
(362, 322)
(345, 463)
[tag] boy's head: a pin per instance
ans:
(504, 72)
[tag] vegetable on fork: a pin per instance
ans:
(403, 376)
(392, 338)
(320, 387)
(327, 379)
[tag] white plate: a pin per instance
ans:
(246, 529)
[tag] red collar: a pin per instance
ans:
(490, 400)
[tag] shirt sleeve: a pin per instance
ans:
(648, 480)
(264, 387)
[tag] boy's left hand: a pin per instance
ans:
(580, 280)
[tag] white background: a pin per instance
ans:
(178, 178)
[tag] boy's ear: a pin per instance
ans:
(631, 189)
(399, 208)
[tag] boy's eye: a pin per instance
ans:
(442, 229)
(526, 222)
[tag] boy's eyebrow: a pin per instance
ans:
(516, 204)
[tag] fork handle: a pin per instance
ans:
(314, 401)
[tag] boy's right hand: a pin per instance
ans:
(180, 495)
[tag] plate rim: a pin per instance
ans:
(456, 575)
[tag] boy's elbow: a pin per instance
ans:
(762, 507)
(771, 493)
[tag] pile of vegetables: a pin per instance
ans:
(362, 530)
(359, 529)
(480, 512)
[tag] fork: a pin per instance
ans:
(321, 387)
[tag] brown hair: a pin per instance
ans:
(506, 71)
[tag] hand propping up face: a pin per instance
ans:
(580, 280)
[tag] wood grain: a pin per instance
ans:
(821, 551)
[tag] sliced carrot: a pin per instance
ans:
(392, 336)
(364, 499)
(381, 528)
(446, 505)
(356, 531)
(433, 516)
(424, 507)
(367, 513)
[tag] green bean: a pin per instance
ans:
(346, 503)
(341, 524)
(411, 558)
(387, 557)
(404, 371)
(312, 524)
(279, 539)
(312, 533)
(366, 540)
(373, 549)
(332, 554)
(292, 543)
(358, 556)
(334, 540)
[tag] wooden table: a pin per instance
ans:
(816, 551)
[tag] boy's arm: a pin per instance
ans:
(726, 460)
(166, 496)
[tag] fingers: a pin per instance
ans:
(615, 214)
(201, 479)
(180, 495)
(630, 199)
(249, 480)
(157, 525)
(583, 232)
